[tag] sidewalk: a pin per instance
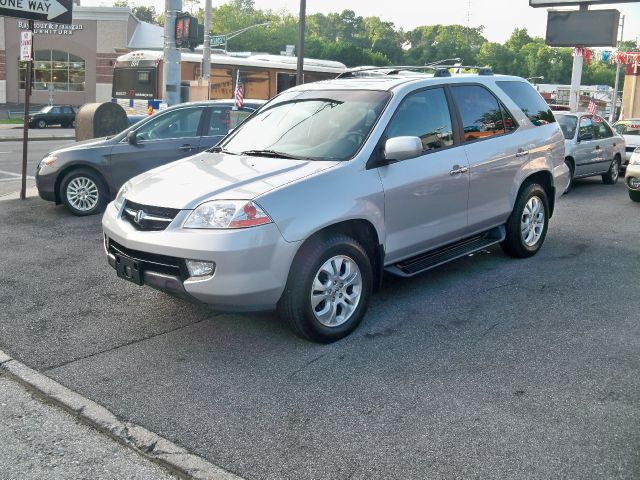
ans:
(13, 133)
(41, 441)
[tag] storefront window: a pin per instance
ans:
(64, 70)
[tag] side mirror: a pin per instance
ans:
(585, 136)
(132, 138)
(402, 148)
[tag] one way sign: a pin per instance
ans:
(58, 11)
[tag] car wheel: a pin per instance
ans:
(634, 195)
(83, 192)
(41, 124)
(571, 168)
(612, 175)
(527, 225)
(328, 289)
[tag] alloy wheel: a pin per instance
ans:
(336, 291)
(532, 221)
(82, 194)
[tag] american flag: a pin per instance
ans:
(592, 106)
(239, 94)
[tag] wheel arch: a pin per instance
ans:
(545, 180)
(77, 166)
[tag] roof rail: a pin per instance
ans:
(438, 70)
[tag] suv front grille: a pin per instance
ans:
(147, 217)
(149, 261)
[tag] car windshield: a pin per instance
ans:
(315, 125)
(568, 125)
(46, 109)
(628, 127)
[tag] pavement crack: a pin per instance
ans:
(307, 365)
(133, 342)
(485, 333)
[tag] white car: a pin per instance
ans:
(630, 130)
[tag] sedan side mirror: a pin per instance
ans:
(402, 148)
(132, 138)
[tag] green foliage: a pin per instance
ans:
(145, 14)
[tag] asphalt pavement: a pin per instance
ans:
(488, 367)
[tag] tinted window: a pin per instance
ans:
(426, 115)
(480, 112)
(568, 124)
(529, 101)
(601, 128)
(55, 110)
(179, 123)
(586, 127)
(510, 123)
(224, 118)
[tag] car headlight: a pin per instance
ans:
(48, 161)
(120, 197)
(227, 214)
(635, 157)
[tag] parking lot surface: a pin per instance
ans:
(488, 367)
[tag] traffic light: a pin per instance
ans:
(189, 33)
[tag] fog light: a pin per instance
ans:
(198, 268)
(634, 182)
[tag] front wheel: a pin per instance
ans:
(41, 124)
(613, 173)
(328, 289)
(83, 192)
(571, 168)
(527, 225)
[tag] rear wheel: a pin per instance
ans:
(634, 195)
(570, 166)
(328, 289)
(83, 192)
(612, 175)
(527, 225)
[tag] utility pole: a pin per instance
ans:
(301, 27)
(614, 101)
(576, 74)
(206, 51)
(171, 67)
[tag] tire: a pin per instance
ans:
(315, 266)
(65, 125)
(569, 164)
(83, 192)
(612, 175)
(634, 195)
(523, 239)
(41, 123)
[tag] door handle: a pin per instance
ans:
(522, 153)
(458, 169)
(186, 147)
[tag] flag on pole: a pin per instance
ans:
(239, 94)
(592, 106)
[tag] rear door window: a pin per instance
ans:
(480, 112)
(529, 101)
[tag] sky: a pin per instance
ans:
(499, 17)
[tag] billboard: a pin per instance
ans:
(585, 28)
(558, 3)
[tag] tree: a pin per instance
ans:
(145, 14)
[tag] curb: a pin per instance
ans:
(19, 139)
(148, 444)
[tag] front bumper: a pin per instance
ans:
(46, 184)
(251, 265)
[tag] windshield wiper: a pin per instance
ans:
(221, 150)
(271, 153)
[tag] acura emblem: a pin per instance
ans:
(139, 216)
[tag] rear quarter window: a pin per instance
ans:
(529, 101)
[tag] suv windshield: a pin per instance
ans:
(315, 125)
(628, 127)
(568, 125)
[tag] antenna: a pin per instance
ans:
(468, 19)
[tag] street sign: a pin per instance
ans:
(217, 40)
(58, 11)
(26, 42)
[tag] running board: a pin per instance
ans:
(425, 261)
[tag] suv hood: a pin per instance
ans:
(185, 184)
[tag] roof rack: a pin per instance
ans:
(438, 70)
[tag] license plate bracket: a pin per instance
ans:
(129, 269)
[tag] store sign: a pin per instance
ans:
(47, 28)
(26, 43)
(59, 11)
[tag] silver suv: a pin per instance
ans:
(329, 184)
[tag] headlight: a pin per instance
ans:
(48, 161)
(635, 157)
(227, 214)
(120, 197)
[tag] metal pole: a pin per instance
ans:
(301, 27)
(576, 75)
(614, 101)
(25, 134)
(206, 51)
(171, 67)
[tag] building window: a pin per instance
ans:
(65, 71)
